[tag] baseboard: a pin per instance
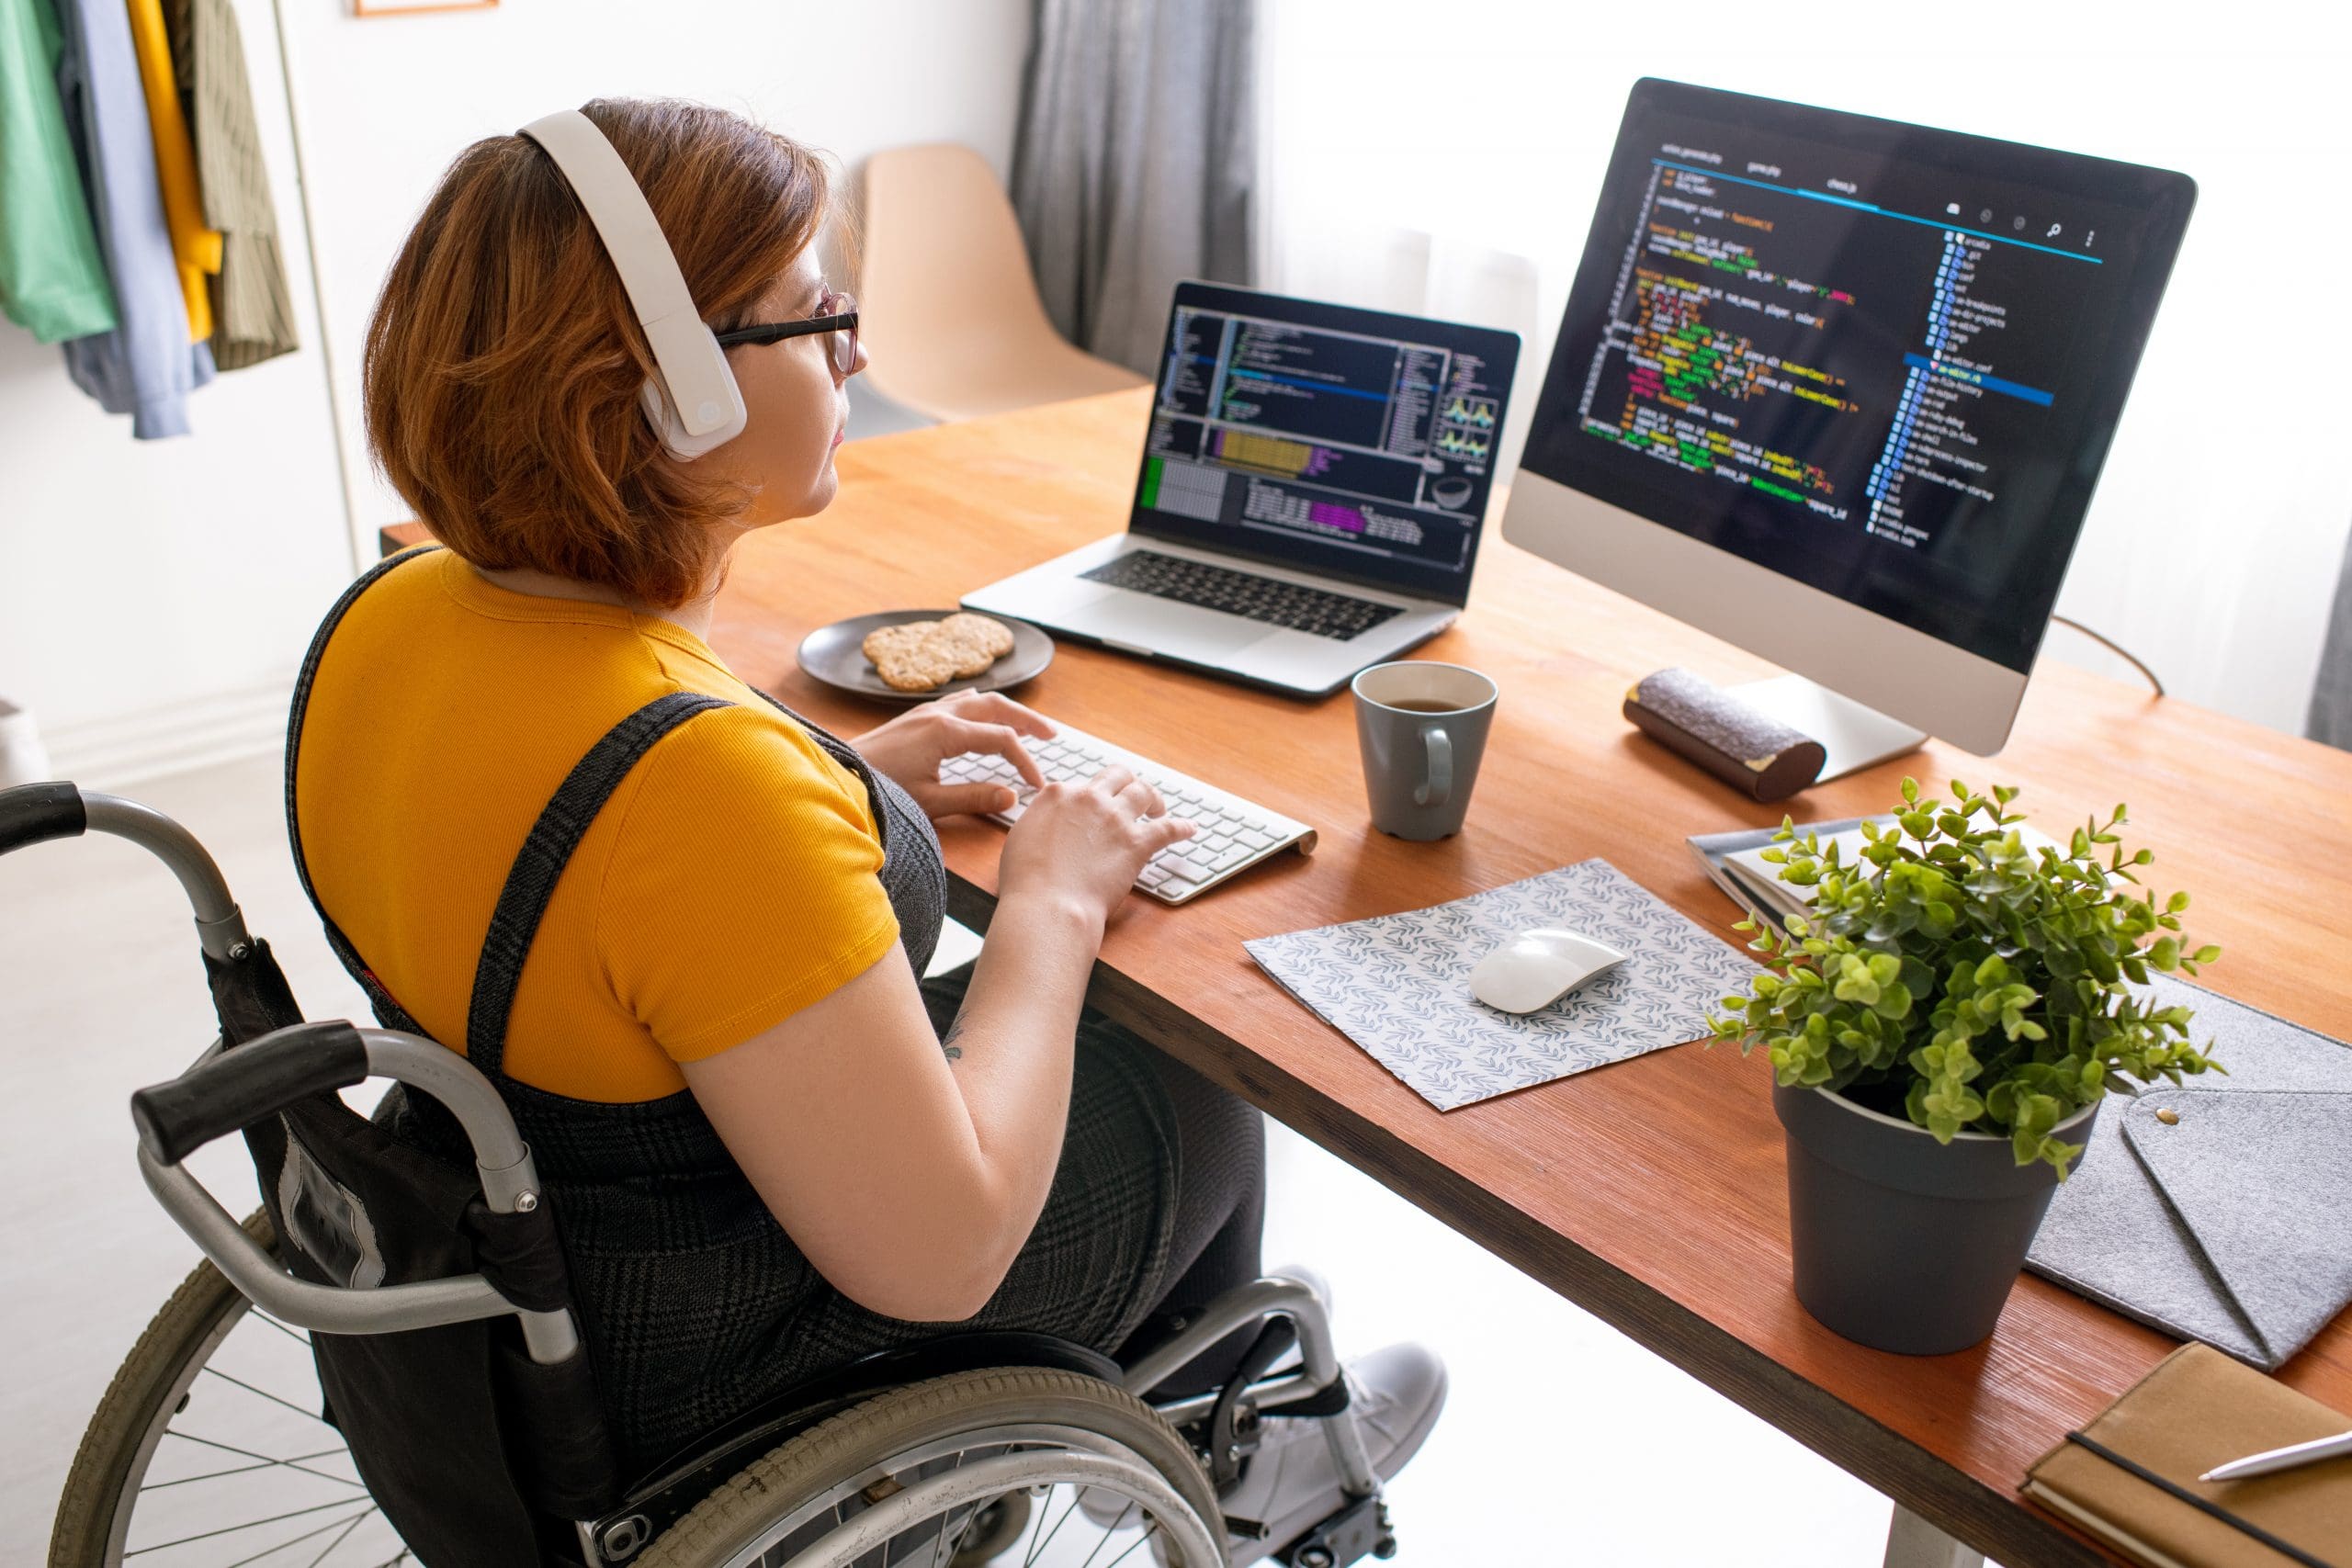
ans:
(226, 726)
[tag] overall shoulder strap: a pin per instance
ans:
(531, 881)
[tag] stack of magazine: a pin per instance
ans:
(1734, 863)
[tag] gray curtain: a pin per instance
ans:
(1133, 160)
(2331, 718)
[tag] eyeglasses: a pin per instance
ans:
(836, 313)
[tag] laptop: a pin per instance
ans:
(1310, 498)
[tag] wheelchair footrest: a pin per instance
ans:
(1358, 1530)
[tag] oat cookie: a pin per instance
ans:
(912, 657)
(897, 639)
(972, 656)
(993, 635)
(920, 656)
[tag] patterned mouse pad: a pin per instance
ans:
(1400, 985)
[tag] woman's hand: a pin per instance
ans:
(909, 748)
(1081, 844)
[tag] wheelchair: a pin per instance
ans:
(297, 1401)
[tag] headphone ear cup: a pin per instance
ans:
(662, 415)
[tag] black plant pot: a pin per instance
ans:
(1901, 1243)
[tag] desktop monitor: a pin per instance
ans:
(1837, 389)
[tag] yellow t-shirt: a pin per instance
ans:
(728, 882)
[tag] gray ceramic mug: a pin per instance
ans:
(1423, 728)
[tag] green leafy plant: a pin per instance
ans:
(1956, 975)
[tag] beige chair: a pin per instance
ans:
(947, 306)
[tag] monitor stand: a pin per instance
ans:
(1854, 736)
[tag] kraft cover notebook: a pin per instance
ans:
(2130, 1477)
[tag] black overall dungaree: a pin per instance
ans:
(695, 1305)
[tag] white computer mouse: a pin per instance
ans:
(1536, 968)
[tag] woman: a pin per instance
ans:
(771, 1148)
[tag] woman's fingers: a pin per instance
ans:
(1000, 740)
(978, 799)
(1158, 832)
(1140, 795)
(992, 707)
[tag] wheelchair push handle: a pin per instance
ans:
(33, 814)
(228, 1090)
(36, 813)
(228, 1093)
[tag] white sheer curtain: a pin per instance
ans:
(1445, 159)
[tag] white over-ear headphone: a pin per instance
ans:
(692, 399)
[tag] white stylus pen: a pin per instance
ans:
(2282, 1458)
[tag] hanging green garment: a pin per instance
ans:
(253, 308)
(52, 278)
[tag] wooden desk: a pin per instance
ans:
(1651, 1193)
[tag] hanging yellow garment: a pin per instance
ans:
(196, 248)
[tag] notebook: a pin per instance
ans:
(2130, 1477)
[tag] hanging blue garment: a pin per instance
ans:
(146, 367)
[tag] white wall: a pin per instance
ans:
(151, 589)
(2221, 517)
(142, 581)
(385, 105)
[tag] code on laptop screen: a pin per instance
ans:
(1354, 443)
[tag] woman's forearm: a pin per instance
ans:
(1012, 1047)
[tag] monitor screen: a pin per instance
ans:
(1355, 444)
(1882, 360)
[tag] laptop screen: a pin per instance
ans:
(1354, 444)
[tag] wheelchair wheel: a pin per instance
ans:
(209, 1449)
(923, 1475)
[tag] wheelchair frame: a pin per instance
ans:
(223, 1092)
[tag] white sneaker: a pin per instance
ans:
(1293, 1481)
(1106, 1509)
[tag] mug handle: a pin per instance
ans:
(1438, 747)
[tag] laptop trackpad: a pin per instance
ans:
(1180, 631)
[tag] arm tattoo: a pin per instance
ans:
(947, 1040)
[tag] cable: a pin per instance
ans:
(2114, 648)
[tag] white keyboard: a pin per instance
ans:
(1231, 834)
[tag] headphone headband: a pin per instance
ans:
(692, 399)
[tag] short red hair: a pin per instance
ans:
(503, 361)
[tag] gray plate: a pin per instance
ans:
(836, 656)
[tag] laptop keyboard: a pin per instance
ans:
(1316, 610)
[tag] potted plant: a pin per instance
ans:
(1942, 1032)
